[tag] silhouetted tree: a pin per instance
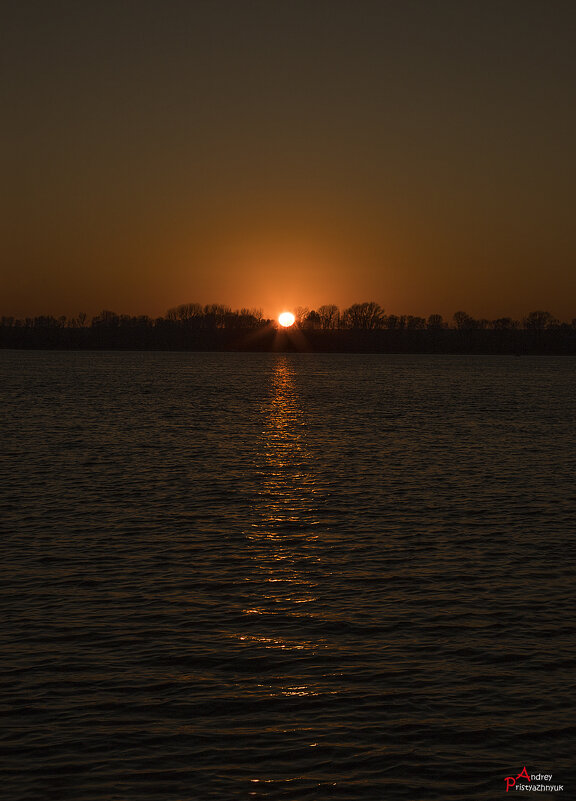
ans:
(44, 321)
(329, 316)
(538, 321)
(463, 321)
(415, 323)
(435, 322)
(504, 324)
(391, 321)
(184, 312)
(249, 318)
(365, 316)
(217, 313)
(106, 319)
(300, 314)
(312, 320)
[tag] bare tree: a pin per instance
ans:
(415, 323)
(184, 312)
(366, 316)
(504, 324)
(463, 321)
(313, 320)
(539, 320)
(301, 313)
(106, 319)
(435, 322)
(329, 316)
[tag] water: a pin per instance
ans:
(251, 576)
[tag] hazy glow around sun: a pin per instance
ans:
(286, 319)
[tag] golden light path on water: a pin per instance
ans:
(285, 513)
(282, 537)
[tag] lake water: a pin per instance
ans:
(257, 576)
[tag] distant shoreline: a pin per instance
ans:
(268, 339)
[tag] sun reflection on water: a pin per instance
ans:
(287, 502)
(281, 621)
(282, 538)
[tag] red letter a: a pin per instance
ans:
(524, 773)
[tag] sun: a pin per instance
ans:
(286, 319)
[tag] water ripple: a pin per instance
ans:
(248, 576)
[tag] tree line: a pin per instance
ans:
(361, 326)
(367, 316)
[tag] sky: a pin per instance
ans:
(284, 153)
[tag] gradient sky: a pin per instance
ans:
(277, 153)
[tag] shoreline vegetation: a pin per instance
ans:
(361, 328)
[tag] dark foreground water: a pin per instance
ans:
(286, 576)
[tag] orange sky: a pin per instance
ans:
(279, 155)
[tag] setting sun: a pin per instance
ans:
(286, 319)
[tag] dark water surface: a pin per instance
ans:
(248, 576)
